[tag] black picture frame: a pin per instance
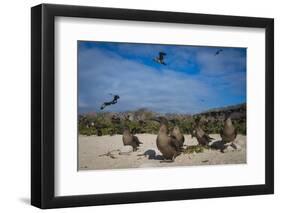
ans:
(43, 102)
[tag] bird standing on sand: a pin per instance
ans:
(130, 139)
(160, 59)
(166, 144)
(228, 133)
(203, 138)
(176, 133)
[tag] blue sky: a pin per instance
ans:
(194, 79)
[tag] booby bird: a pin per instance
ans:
(114, 101)
(203, 138)
(218, 51)
(176, 133)
(166, 144)
(130, 140)
(228, 133)
(160, 58)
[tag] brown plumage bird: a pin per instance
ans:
(203, 138)
(166, 144)
(130, 140)
(228, 133)
(176, 133)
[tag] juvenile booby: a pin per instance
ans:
(130, 139)
(176, 133)
(166, 144)
(202, 138)
(228, 133)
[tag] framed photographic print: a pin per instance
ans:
(139, 106)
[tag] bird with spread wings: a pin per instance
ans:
(114, 101)
(160, 58)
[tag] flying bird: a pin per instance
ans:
(218, 52)
(114, 101)
(160, 58)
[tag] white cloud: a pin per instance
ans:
(138, 85)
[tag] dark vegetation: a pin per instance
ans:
(195, 149)
(109, 123)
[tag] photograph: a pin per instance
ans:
(160, 105)
(122, 94)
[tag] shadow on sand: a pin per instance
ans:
(218, 145)
(152, 155)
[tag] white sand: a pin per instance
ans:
(91, 147)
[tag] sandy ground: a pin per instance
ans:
(92, 148)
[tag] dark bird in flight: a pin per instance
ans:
(130, 140)
(218, 51)
(114, 101)
(160, 58)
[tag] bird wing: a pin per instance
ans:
(207, 137)
(102, 106)
(221, 133)
(173, 136)
(218, 51)
(235, 132)
(228, 136)
(135, 138)
(174, 143)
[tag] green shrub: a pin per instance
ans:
(195, 149)
(92, 125)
